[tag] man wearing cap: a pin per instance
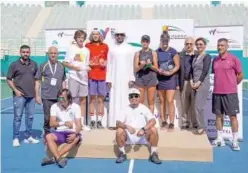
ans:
(136, 126)
(97, 76)
(120, 75)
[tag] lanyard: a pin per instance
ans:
(55, 68)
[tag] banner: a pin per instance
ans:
(234, 34)
(179, 29)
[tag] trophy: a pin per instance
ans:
(167, 65)
(148, 61)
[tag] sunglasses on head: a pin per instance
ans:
(133, 96)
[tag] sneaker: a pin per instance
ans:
(235, 146)
(86, 128)
(121, 158)
(47, 161)
(31, 140)
(99, 125)
(16, 142)
(218, 143)
(92, 124)
(61, 162)
(154, 158)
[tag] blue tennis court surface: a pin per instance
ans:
(26, 158)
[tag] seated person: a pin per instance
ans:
(66, 119)
(136, 126)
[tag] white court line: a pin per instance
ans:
(131, 164)
(6, 109)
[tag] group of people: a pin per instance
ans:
(94, 68)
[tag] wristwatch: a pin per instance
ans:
(143, 128)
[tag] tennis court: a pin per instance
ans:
(26, 159)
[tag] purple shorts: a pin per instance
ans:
(62, 136)
(97, 87)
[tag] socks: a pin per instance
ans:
(99, 117)
(235, 137)
(92, 117)
(153, 149)
(219, 134)
(122, 149)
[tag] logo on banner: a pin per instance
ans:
(61, 34)
(175, 32)
(104, 32)
(233, 43)
(215, 31)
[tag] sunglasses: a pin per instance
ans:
(187, 44)
(131, 96)
(61, 99)
(122, 35)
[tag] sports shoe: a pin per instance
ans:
(31, 140)
(92, 124)
(218, 142)
(235, 146)
(99, 125)
(16, 142)
(154, 158)
(61, 162)
(121, 158)
(47, 161)
(86, 128)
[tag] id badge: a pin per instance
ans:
(53, 81)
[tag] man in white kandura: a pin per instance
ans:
(120, 75)
(136, 126)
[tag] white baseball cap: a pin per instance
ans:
(134, 91)
(119, 31)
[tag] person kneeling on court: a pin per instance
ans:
(66, 119)
(136, 127)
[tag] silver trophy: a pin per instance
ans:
(167, 66)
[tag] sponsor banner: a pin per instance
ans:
(178, 29)
(61, 38)
(234, 34)
(134, 29)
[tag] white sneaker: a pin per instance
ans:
(31, 140)
(16, 142)
(235, 146)
(86, 128)
(219, 142)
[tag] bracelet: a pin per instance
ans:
(143, 128)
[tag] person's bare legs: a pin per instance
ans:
(162, 108)
(170, 95)
(219, 125)
(100, 110)
(151, 98)
(82, 101)
(235, 127)
(52, 146)
(92, 110)
(121, 141)
(142, 95)
(67, 147)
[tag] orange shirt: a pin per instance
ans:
(97, 53)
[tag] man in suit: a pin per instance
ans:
(186, 58)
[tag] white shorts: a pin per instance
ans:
(133, 139)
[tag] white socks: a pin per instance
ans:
(82, 121)
(153, 149)
(219, 134)
(235, 137)
(122, 149)
(92, 118)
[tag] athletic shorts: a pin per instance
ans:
(63, 135)
(97, 87)
(133, 139)
(225, 104)
(77, 89)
